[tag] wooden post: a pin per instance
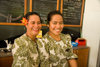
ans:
(82, 10)
(25, 7)
(57, 4)
(61, 6)
(30, 5)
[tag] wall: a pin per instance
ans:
(91, 29)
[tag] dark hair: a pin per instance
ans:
(32, 13)
(49, 17)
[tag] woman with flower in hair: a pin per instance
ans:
(25, 52)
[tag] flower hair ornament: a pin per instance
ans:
(24, 21)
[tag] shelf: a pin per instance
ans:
(20, 24)
(11, 24)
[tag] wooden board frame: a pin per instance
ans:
(81, 19)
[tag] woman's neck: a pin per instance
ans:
(31, 36)
(55, 37)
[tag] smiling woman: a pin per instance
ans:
(53, 45)
(25, 52)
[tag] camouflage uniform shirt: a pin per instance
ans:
(55, 53)
(25, 53)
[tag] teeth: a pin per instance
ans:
(35, 29)
(57, 30)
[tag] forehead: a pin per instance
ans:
(57, 17)
(34, 17)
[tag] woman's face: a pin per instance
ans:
(34, 25)
(56, 25)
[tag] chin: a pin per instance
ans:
(57, 34)
(35, 34)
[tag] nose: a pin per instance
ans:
(36, 25)
(58, 25)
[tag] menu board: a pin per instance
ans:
(43, 7)
(11, 10)
(72, 11)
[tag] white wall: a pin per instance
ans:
(91, 29)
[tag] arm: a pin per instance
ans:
(71, 58)
(72, 63)
(43, 53)
(19, 52)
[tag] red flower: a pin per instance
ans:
(24, 21)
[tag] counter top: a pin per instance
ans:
(5, 53)
(80, 47)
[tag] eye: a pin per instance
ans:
(38, 22)
(54, 22)
(60, 23)
(33, 22)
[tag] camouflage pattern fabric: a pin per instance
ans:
(25, 52)
(55, 53)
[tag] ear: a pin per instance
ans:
(47, 25)
(26, 25)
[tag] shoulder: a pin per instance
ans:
(65, 36)
(18, 44)
(20, 40)
(46, 35)
(43, 41)
(44, 38)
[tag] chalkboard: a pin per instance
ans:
(72, 11)
(43, 7)
(11, 10)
